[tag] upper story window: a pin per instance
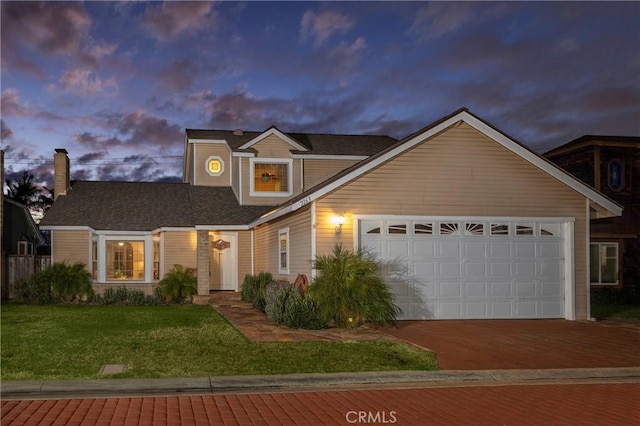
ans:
(271, 177)
(214, 165)
(616, 175)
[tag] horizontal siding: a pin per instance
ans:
(179, 248)
(244, 255)
(459, 172)
(266, 245)
(71, 246)
(203, 152)
(316, 171)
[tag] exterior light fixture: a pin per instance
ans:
(120, 243)
(338, 221)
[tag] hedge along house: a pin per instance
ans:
(480, 226)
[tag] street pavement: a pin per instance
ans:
(542, 397)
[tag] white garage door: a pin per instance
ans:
(462, 269)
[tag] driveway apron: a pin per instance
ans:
(523, 344)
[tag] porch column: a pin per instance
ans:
(203, 263)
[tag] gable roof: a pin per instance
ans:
(601, 203)
(147, 206)
(28, 221)
(594, 140)
(304, 143)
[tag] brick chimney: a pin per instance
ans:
(60, 173)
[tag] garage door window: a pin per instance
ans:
(449, 229)
(524, 229)
(423, 228)
(474, 229)
(498, 229)
(397, 229)
(604, 263)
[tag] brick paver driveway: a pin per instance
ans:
(523, 344)
(603, 403)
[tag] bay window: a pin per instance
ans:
(125, 257)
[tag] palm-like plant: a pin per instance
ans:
(179, 283)
(67, 282)
(349, 290)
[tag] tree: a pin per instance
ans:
(23, 190)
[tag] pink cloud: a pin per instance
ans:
(10, 104)
(85, 82)
(173, 18)
(321, 26)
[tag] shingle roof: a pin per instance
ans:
(326, 144)
(145, 206)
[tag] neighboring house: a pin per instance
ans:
(478, 225)
(20, 234)
(610, 164)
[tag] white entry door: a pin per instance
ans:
(457, 269)
(223, 271)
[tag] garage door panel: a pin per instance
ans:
(448, 269)
(500, 269)
(475, 290)
(475, 249)
(526, 289)
(475, 269)
(525, 269)
(449, 249)
(465, 270)
(449, 289)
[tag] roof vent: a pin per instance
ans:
(238, 132)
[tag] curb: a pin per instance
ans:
(219, 384)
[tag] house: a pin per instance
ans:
(609, 164)
(470, 223)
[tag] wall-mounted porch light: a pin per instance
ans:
(338, 221)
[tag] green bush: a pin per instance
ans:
(254, 287)
(302, 312)
(349, 290)
(67, 282)
(179, 284)
(125, 296)
(32, 292)
(276, 296)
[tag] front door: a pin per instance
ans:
(223, 273)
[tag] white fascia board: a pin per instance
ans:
(330, 157)
(542, 164)
(212, 141)
(173, 229)
(124, 233)
(274, 131)
(222, 227)
(544, 219)
(244, 154)
(66, 228)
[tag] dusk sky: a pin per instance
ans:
(117, 83)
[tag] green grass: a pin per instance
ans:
(73, 342)
(614, 311)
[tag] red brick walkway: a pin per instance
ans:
(523, 344)
(606, 404)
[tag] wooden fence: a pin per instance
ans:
(23, 268)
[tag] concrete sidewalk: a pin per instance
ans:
(206, 385)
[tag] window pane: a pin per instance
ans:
(397, 229)
(474, 229)
(608, 264)
(499, 229)
(449, 229)
(125, 260)
(524, 229)
(271, 177)
(423, 228)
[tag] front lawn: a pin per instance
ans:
(73, 342)
(615, 311)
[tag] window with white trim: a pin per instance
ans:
(125, 260)
(283, 251)
(603, 259)
(271, 177)
(94, 260)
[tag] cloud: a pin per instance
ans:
(437, 19)
(322, 26)
(180, 75)
(174, 18)
(53, 28)
(5, 131)
(84, 82)
(10, 104)
(91, 156)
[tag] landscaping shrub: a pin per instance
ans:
(254, 287)
(349, 290)
(125, 296)
(179, 284)
(32, 292)
(302, 312)
(68, 282)
(276, 296)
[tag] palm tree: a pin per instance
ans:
(23, 190)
